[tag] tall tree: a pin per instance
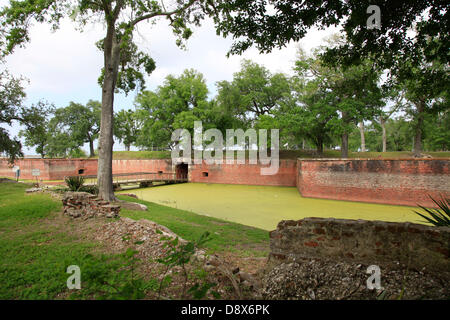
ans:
(12, 95)
(123, 63)
(126, 127)
(78, 123)
(335, 98)
(306, 113)
(357, 97)
(426, 87)
(12, 109)
(397, 98)
(253, 92)
(178, 102)
(36, 132)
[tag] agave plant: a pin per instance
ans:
(75, 182)
(438, 217)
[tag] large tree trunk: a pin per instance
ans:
(344, 145)
(417, 151)
(105, 145)
(383, 129)
(127, 147)
(363, 138)
(319, 145)
(91, 148)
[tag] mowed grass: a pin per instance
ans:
(36, 248)
(225, 235)
(37, 245)
(127, 155)
(264, 207)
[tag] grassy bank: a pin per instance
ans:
(225, 235)
(37, 244)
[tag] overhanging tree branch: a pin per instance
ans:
(159, 14)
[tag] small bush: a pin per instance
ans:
(437, 217)
(93, 189)
(75, 182)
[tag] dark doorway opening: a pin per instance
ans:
(182, 171)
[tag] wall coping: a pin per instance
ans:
(52, 159)
(372, 159)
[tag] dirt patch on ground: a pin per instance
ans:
(252, 265)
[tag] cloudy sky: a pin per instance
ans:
(64, 66)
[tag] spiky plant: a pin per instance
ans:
(438, 217)
(74, 182)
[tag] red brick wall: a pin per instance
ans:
(60, 168)
(50, 169)
(25, 168)
(145, 165)
(400, 182)
(244, 174)
(57, 169)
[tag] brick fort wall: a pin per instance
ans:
(249, 174)
(397, 181)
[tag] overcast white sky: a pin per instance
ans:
(64, 66)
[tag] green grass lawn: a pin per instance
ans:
(35, 249)
(126, 155)
(265, 206)
(37, 245)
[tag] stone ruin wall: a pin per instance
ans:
(359, 241)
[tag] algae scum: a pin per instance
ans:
(263, 206)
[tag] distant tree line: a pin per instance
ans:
(354, 108)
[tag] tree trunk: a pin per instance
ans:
(344, 145)
(105, 145)
(91, 148)
(319, 145)
(417, 151)
(320, 149)
(383, 129)
(363, 139)
(344, 137)
(127, 147)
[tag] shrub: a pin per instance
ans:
(438, 217)
(93, 189)
(75, 182)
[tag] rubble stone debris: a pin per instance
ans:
(143, 235)
(314, 279)
(83, 204)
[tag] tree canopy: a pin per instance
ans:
(406, 27)
(13, 109)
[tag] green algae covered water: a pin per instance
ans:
(263, 206)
